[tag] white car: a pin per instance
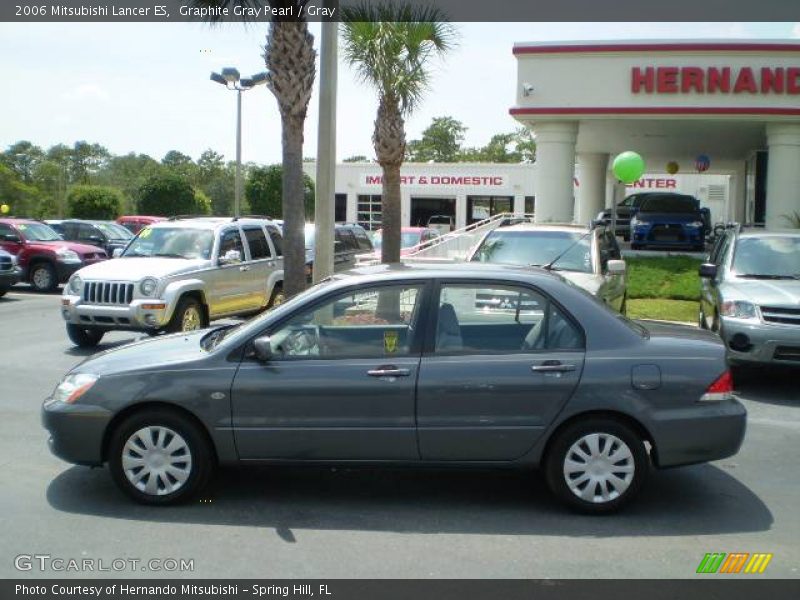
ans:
(588, 257)
(177, 275)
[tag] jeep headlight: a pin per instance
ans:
(72, 388)
(65, 255)
(75, 285)
(148, 286)
(738, 309)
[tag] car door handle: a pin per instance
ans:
(389, 372)
(553, 367)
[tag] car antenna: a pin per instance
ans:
(549, 266)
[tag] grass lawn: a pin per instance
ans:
(663, 287)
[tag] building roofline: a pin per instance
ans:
(571, 47)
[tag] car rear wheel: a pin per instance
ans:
(278, 297)
(84, 337)
(43, 277)
(189, 316)
(597, 465)
(160, 457)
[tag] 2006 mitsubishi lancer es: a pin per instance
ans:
(468, 365)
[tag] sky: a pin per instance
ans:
(145, 88)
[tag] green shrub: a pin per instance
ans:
(667, 277)
(94, 202)
(264, 189)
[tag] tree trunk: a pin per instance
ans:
(294, 216)
(390, 209)
(389, 141)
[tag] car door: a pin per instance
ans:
(493, 376)
(340, 384)
(10, 239)
(261, 264)
(228, 293)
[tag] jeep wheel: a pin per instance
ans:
(84, 337)
(189, 316)
(43, 277)
(278, 297)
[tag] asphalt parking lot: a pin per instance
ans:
(327, 523)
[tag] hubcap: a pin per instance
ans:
(279, 299)
(191, 319)
(156, 460)
(598, 468)
(41, 278)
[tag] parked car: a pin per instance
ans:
(750, 295)
(135, 223)
(9, 271)
(630, 206)
(177, 276)
(44, 258)
(410, 237)
(107, 235)
(349, 241)
(397, 365)
(588, 257)
(442, 223)
(669, 220)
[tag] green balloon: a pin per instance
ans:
(628, 167)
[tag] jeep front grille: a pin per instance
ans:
(777, 314)
(103, 292)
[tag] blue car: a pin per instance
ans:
(669, 220)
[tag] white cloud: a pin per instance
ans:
(86, 91)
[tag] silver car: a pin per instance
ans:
(751, 295)
(588, 257)
(177, 276)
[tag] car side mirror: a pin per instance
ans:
(616, 267)
(117, 253)
(262, 346)
(708, 271)
(231, 257)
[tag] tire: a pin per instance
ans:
(3, 292)
(701, 318)
(189, 316)
(623, 309)
(595, 497)
(277, 297)
(43, 277)
(152, 475)
(84, 337)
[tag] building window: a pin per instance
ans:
(483, 207)
(530, 201)
(369, 211)
(340, 208)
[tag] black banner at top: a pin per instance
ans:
(66, 11)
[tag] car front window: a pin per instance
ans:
(172, 242)
(114, 231)
(571, 251)
(38, 232)
(768, 257)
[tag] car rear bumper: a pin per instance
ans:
(703, 432)
(762, 343)
(76, 432)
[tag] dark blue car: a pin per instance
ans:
(669, 220)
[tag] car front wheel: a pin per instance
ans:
(43, 277)
(597, 465)
(84, 337)
(160, 457)
(189, 316)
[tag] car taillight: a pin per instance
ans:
(721, 389)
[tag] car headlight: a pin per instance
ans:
(695, 224)
(148, 286)
(66, 255)
(72, 388)
(738, 309)
(75, 284)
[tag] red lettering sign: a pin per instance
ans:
(745, 82)
(641, 80)
(713, 80)
(667, 80)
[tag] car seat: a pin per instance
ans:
(448, 331)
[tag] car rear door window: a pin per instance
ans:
(277, 239)
(500, 319)
(231, 240)
(257, 241)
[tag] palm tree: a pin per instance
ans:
(290, 57)
(390, 45)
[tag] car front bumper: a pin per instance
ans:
(667, 235)
(699, 433)
(139, 315)
(76, 431)
(755, 342)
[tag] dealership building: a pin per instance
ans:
(736, 103)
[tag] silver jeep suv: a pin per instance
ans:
(177, 275)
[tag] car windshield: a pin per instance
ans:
(669, 204)
(407, 239)
(114, 231)
(538, 248)
(172, 242)
(38, 232)
(773, 257)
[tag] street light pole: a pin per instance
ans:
(231, 79)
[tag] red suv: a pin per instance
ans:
(45, 259)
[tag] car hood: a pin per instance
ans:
(668, 217)
(146, 354)
(79, 248)
(778, 292)
(134, 269)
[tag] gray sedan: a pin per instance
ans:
(409, 366)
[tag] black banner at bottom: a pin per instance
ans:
(711, 588)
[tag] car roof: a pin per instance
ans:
(467, 270)
(209, 223)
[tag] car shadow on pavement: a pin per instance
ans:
(768, 384)
(696, 500)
